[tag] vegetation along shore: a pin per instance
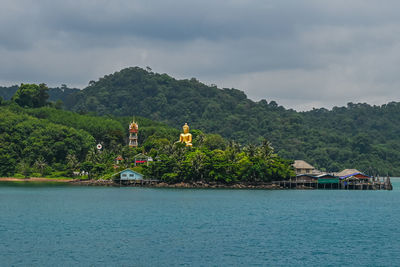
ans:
(234, 142)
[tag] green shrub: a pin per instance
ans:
(59, 174)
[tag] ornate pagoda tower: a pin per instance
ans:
(133, 134)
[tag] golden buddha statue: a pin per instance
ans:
(186, 137)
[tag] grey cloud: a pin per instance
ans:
(301, 53)
(177, 20)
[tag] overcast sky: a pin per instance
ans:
(300, 53)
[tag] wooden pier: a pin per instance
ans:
(372, 184)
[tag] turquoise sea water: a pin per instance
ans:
(101, 226)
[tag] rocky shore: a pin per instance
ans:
(214, 185)
(157, 184)
(94, 182)
(144, 183)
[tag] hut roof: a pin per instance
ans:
(301, 164)
(129, 170)
(347, 172)
(126, 170)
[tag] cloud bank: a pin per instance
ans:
(300, 53)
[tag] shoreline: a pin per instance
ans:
(276, 185)
(195, 185)
(153, 184)
(35, 179)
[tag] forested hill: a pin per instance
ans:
(357, 136)
(63, 141)
(58, 93)
(163, 98)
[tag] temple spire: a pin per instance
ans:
(133, 133)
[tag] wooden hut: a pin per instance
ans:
(128, 174)
(302, 167)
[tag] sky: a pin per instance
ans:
(302, 54)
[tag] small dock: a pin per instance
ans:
(371, 184)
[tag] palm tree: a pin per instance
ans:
(251, 150)
(235, 147)
(198, 161)
(267, 151)
(41, 164)
(72, 162)
(92, 156)
(200, 139)
(25, 168)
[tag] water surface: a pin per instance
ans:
(73, 225)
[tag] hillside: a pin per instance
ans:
(357, 136)
(57, 93)
(45, 141)
(57, 141)
(163, 98)
(7, 92)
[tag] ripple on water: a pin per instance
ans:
(133, 226)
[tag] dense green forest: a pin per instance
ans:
(211, 160)
(7, 92)
(38, 138)
(356, 136)
(63, 93)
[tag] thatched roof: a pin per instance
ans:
(301, 164)
(347, 172)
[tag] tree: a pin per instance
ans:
(59, 104)
(361, 143)
(214, 141)
(99, 168)
(72, 162)
(267, 151)
(25, 169)
(87, 166)
(196, 165)
(31, 95)
(40, 164)
(7, 163)
(251, 150)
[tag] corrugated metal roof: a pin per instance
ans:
(347, 172)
